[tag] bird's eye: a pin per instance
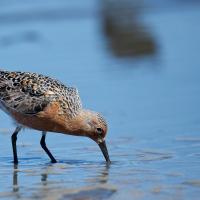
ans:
(99, 131)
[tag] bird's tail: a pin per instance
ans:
(2, 78)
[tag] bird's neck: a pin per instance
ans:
(73, 126)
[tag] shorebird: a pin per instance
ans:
(45, 104)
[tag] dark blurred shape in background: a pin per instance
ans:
(127, 34)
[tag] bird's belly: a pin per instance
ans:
(38, 122)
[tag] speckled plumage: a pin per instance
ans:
(30, 93)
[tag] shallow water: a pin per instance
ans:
(150, 98)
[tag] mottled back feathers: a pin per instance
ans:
(30, 93)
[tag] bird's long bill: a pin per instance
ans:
(104, 150)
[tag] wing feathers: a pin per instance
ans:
(30, 93)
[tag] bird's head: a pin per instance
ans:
(94, 126)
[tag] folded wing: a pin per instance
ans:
(30, 93)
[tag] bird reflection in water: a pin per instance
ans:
(15, 178)
(99, 177)
(102, 175)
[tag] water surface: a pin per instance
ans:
(148, 91)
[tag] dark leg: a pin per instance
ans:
(14, 139)
(43, 144)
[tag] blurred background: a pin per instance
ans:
(136, 62)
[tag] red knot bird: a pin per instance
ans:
(45, 104)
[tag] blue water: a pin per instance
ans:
(150, 100)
